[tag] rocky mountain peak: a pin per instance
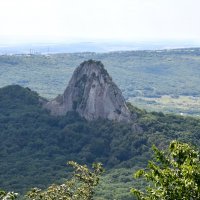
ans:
(92, 93)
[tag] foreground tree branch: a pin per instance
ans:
(174, 174)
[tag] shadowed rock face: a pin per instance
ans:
(92, 93)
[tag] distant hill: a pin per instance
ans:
(139, 74)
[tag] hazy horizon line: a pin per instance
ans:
(95, 46)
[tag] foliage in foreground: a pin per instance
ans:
(7, 195)
(176, 176)
(80, 186)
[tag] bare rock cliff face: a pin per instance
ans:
(92, 93)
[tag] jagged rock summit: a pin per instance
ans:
(92, 93)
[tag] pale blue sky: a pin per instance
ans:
(76, 20)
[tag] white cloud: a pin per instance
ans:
(99, 19)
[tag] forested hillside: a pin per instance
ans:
(35, 146)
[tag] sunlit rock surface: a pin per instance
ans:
(92, 93)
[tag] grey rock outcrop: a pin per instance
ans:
(92, 93)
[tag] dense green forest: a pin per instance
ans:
(35, 146)
(139, 74)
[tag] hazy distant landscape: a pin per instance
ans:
(100, 46)
(162, 80)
